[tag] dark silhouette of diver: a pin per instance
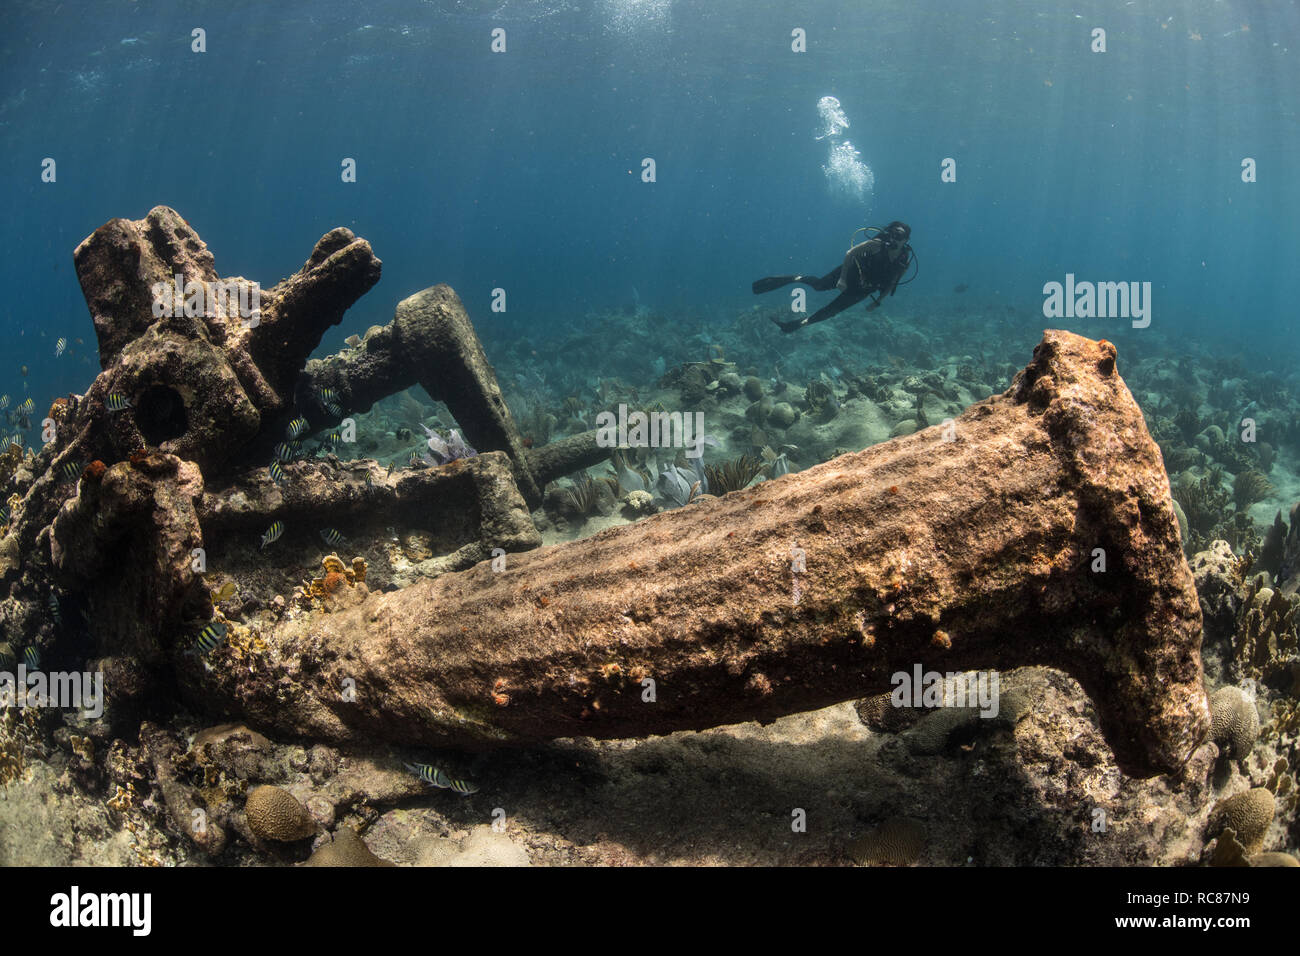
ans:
(873, 266)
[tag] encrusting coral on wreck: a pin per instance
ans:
(337, 576)
(480, 638)
(467, 634)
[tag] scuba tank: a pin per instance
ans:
(878, 231)
(866, 229)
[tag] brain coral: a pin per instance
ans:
(275, 814)
(896, 842)
(348, 849)
(1236, 722)
(1248, 813)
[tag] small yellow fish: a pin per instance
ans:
(226, 590)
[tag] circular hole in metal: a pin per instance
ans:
(160, 414)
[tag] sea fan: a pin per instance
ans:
(1249, 487)
(733, 475)
(584, 496)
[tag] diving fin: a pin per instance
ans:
(772, 282)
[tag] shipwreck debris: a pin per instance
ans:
(993, 538)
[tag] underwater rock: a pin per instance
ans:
(730, 381)
(759, 411)
(753, 388)
(956, 720)
(430, 342)
(236, 749)
(186, 810)
(989, 540)
(1215, 573)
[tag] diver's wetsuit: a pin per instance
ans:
(867, 268)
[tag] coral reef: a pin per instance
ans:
(1203, 499)
(1266, 644)
(16, 727)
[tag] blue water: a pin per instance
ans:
(521, 169)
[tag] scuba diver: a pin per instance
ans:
(873, 266)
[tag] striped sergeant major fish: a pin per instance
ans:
(117, 402)
(60, 346)
(333, 538)
(435, 777)
(27, 407)
(296, 428)
(4, 402)
(210, 637)
(277, 472)
(272, 533)
(32, 658)
(329, 401)
(71, 470)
